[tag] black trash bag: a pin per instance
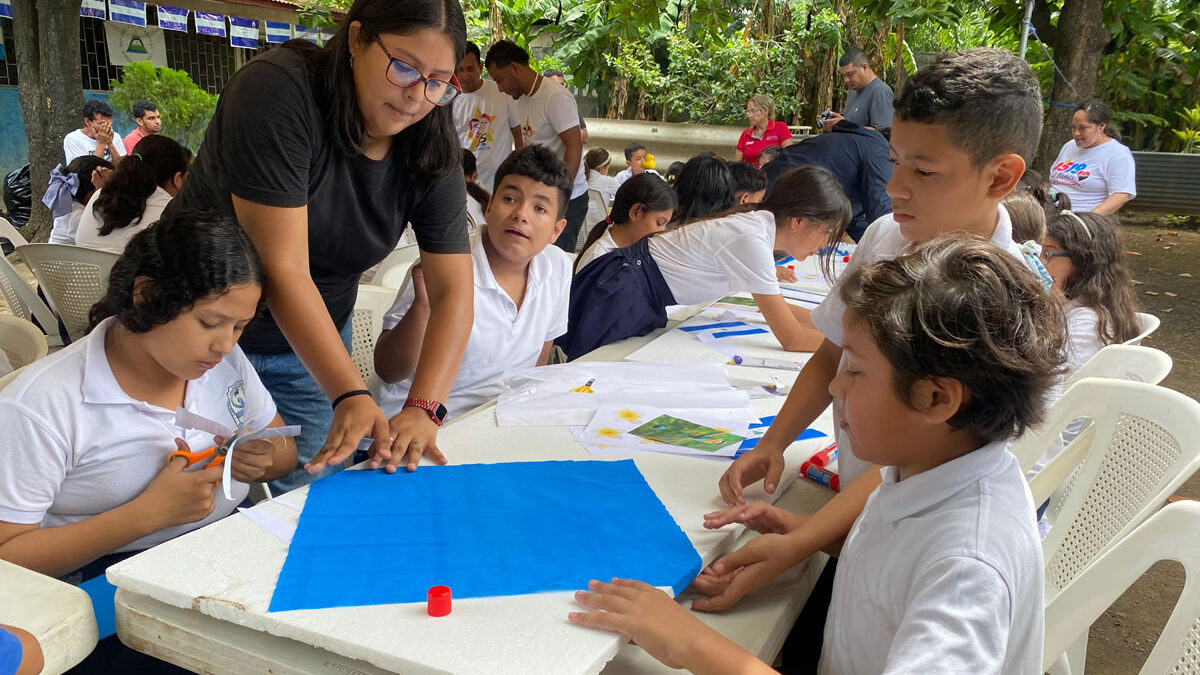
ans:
(18, 196)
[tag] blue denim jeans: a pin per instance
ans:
(299, 400)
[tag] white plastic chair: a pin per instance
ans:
(7, 231)
(1140, 447)
(1171, 534)
(24, 302)
(1147, 324)
(369, 309)
(73, 278)
(1126, 362)
(21, 341)
(6, 379)
(393, 269)
(597, 211)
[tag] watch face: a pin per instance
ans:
(440, 412)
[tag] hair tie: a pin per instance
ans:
(1033, 252)
(61, 191)
(608, 221)
(1082, 224)
(138, 155)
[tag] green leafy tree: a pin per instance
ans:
(185, 108)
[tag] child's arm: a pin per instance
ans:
(788, 329)
(663, 628)
(544, 357)
(808, 398)
(264, 459)
(32, 660)
(174, 497)
(399, 349)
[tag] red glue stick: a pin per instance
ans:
(819, 475)
(825, 456)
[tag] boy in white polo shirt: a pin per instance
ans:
(948, 350)
(522, 286)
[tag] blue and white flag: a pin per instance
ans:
(208, 23)
(243, 32)
(93, 8)
(6, 8)
(313, 34)
(172, 18)
(131, 12)
(277, 32)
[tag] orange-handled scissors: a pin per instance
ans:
(218, 453)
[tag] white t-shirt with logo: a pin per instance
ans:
(1090, 175)
(550, 111)
(484, 119)
(710, 259)
(76, 445)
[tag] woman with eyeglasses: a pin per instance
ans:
(324, 154)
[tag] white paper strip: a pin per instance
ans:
(271, 523)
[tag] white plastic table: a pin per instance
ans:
(200, 600)
(59, 615)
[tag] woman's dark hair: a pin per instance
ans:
(155, 160)
(83, 168)
(475, 190)
(430, 145)
(187, 256)
(647, 189)
(594, 159)
(1101, 279)
(747, 177)
(704, 187)
(811, 192)
(1097, 113)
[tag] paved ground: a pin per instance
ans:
(1123, 638)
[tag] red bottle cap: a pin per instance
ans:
(846, 259)
(438, 601)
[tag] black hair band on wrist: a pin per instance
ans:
(343, 397)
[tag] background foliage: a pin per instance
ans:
(185, 107)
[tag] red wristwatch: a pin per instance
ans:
(437, 411)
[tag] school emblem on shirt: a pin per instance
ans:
(479, 130)
(235, 398)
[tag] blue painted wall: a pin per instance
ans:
(14, 144)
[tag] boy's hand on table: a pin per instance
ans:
(648, 616)
(759, 516)
(743, 572)
(752, 466)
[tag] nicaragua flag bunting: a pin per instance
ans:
(6, 8)
(127, 11)
(172, 18)
(243, 32)
(208, 23)
(93, 8)
(277, 32)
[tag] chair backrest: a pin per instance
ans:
(7, 231)
(393, 268)
(1126, 362)
(6, 379)
(73, 278)
(1147, 324)
(369, 309)
(22, 301)
(21, 341)
(1171, 534)
(1140, 447)
(597, 211)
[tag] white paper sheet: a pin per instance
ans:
(608, 433)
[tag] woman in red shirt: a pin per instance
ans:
(763, 130)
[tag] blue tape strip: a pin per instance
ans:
(713, 326)
(785, 260)
(735, 333)
(749, 443)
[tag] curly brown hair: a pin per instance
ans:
(1101, 279)
(961, 307)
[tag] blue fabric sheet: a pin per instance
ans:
(483, 530)
(103, 596)
(749, 443)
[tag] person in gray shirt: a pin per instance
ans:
(870, 101)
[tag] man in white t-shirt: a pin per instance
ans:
(547, 115)
(483, 117)
(96, 137)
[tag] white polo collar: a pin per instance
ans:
(898, 499)
(99, 384)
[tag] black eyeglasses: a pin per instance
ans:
(1047, 256)
(404, 75)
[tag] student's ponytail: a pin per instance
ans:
(184, 257)
(155, 160)
(813, 193)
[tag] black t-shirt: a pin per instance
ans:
(267, 144)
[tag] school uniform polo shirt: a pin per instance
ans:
(710, 259)
(941, 573)
(76, 445)
(502, 338)
(883, 240)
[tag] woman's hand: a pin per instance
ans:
(354, 419)
(413, 434)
